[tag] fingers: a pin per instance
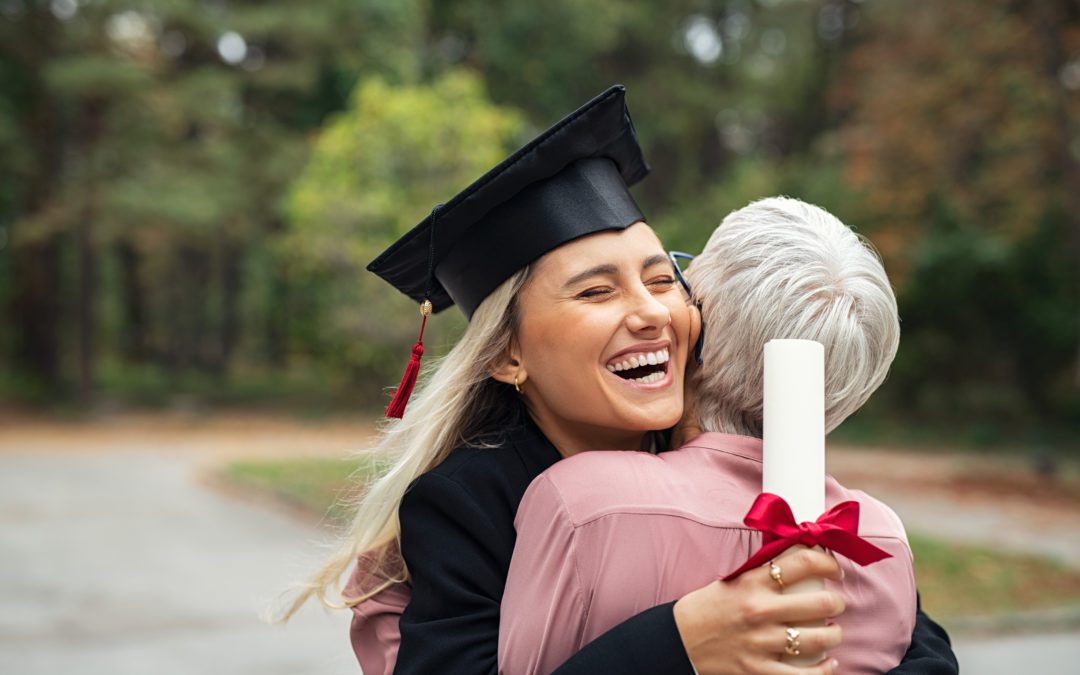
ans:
(801, 564)
(801, 607)
(828, 666)
(812, 640)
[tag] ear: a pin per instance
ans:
(695, 324)
(510, 366)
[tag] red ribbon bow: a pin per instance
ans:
(837, 530)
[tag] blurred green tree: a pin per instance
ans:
(147, 148)
(376, 170)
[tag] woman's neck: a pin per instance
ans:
(571, 438)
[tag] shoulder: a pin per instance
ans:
(876, 518)
(588, 466)
(589, 483)
(490, 478)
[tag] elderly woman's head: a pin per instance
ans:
(783, 269)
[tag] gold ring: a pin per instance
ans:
(774, 572)
(792, 646)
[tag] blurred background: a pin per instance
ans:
(190, 190)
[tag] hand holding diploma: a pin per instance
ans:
(790, 509)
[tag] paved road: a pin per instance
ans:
(1035, 654)
(1008, 521)
(120, 562)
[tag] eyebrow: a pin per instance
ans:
(609, 269)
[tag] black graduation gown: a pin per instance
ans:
(457, 538)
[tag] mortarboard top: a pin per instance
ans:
(567, 182)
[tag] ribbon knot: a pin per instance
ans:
(809, 531)
(837, 530)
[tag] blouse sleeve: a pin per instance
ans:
(930, 652)
(545, 607)
(374, 628)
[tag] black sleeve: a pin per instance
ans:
(930, 652)
(457, 560)
(458, 556)
(648, 642)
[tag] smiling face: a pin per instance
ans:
(602, 341)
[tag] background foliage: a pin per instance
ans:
(190, 189)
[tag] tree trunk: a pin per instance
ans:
(277, 314)
(133, 300)
(230, 294)
(187, 309)
(91, 127)
(35, 310)
(35, 304)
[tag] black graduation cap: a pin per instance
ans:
(567, 182)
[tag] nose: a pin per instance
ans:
(647, 314)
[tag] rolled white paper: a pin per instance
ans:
(794, 425)
(793, 439)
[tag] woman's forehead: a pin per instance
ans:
(622, 248)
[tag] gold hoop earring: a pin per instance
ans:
(516, 385)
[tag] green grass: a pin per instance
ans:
(961, 580)
(954, 580)
(320, 485)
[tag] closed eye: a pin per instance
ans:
(594, 293)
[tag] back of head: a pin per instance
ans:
(783, 269)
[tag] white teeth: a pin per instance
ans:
(655, 377)
(639, 360)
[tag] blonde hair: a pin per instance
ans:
(782, 268)
(457, 405)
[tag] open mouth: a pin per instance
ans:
(643, 368)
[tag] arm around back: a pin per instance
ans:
(930, 652)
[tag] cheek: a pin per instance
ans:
(564, 352)
(681, 319)
(546, 346)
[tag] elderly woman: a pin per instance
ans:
(561, 278)
(603, 535)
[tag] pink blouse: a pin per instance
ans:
(604, 535)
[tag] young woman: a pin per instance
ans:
(551, 260)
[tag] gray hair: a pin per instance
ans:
(781, 268)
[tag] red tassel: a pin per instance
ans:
(396, 409)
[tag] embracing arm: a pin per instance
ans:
(648, 642)
(930, 652)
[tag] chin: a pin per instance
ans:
(653, 418)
